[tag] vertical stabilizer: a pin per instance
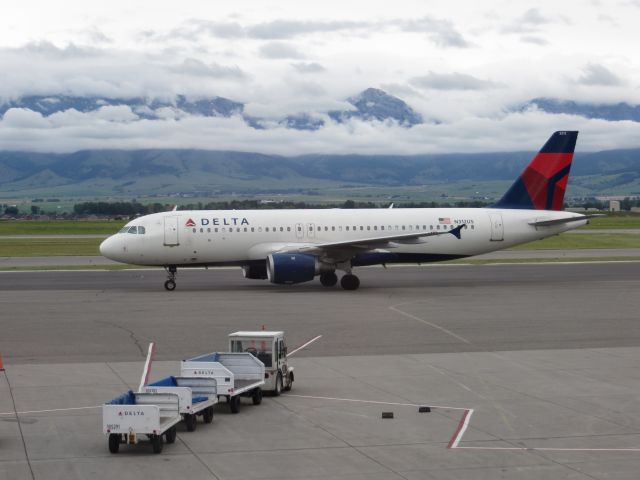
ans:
(541, 186)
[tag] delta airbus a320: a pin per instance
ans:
(294, 246)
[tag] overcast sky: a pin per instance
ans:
(463, 65)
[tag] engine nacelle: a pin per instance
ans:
(291, 268)
(255, 271)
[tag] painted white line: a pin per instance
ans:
(51, 410)
(433, 325)
(305, 345)
(462, 427)
(550, 449)
(374, 402)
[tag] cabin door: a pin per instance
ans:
(171, 231)
(497, 228)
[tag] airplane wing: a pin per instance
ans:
(560, 221)
(363, 244)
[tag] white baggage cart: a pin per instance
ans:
(237, 375)
(196, 397)
(131, 415)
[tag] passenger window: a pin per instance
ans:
(253, 229)
(266, 229)
(375, 227)
(368, 227)
(347, 228)
(208, 230)
(382, 227)
(245, 229)
(333, 229)
(259, 229)
(194, 230)
(216, 230)
(288, 229)
(282, 229)
(201, 230)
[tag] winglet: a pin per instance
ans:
(456, 231)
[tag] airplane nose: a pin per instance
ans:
(108, 248)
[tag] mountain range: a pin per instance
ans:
(166, 172)
(369, 105)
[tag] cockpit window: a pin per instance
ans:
(134, 229)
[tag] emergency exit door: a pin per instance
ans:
(497, 228)
(171, 231)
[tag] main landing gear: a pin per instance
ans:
(348, 281)
(170, 284)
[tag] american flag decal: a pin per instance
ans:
(444, 221)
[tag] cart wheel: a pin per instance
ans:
(171, 434)
(207, 415)
(257, 396)
(287, 387)
(156, 442)
(191, 421)
(278, 388)
(114, 442)
(234, 404)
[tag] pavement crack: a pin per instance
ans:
(132, 335)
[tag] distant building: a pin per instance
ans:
(614, 205)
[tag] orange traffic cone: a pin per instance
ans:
(1, 365)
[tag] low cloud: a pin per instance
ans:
(308, 67)
(280, 50)
(192, 66)
(599, 75)
(71, 131)
(441, 32)
(451, 81)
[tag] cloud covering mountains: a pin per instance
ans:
(284, 78)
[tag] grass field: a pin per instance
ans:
(597, 240)
(43, 247)
(614, 221)
(60, 227)
(35, 247)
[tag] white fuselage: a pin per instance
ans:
(239, 237)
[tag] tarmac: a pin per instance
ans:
(531, 372)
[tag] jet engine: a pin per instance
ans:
(292, 267)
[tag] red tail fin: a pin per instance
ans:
(542, 185)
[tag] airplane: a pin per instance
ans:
(295, 246)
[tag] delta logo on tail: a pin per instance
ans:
(543, 183)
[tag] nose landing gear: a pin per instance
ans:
(170, 284)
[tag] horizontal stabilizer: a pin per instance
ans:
(560, 221)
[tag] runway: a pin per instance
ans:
(111, 314)
(546, 356)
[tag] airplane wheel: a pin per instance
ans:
(257, 396)
(170, 285)
(328, 279)
(350, 282)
